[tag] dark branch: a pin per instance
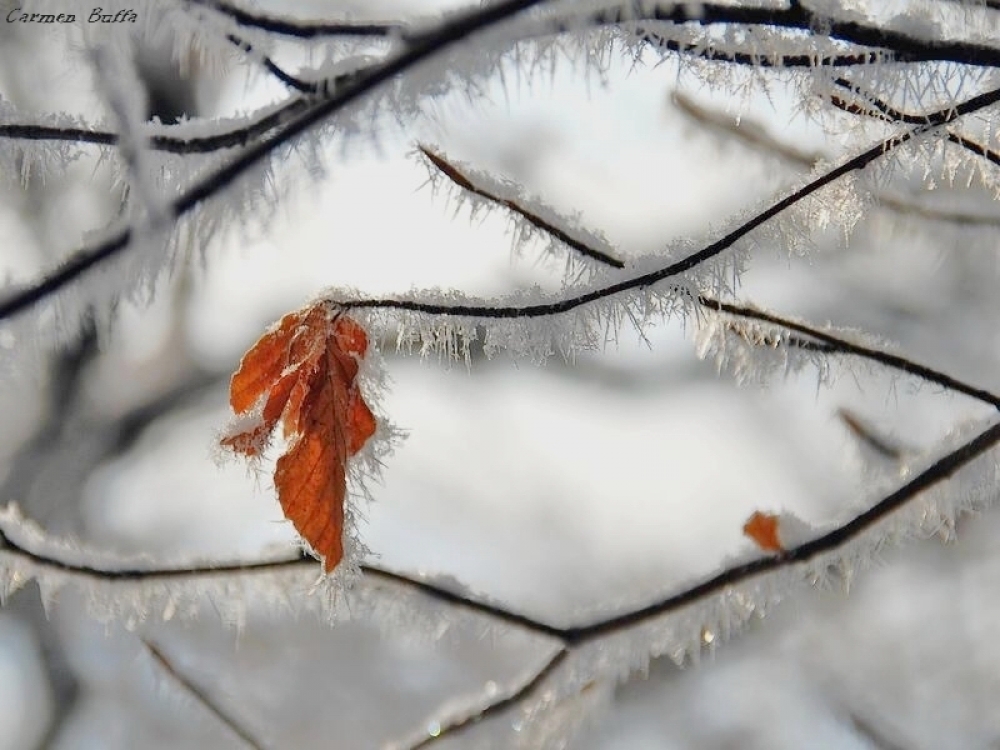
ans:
(937, 472)
(171, 144)
(881, 110)
(421, 48)
(901, 46)
(940, 470)
(877, 108)
(975, 147)
(454, 174)
(758, 60)
(933, 119)
(841, 346)
(451, 728)
(203, 697)
(293, 82)
(299, 29)
(868, 436)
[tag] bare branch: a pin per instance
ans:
(902, 47)
(201, 695)
(751, 133)
(171, 144)
(937, 472)
(867, 435)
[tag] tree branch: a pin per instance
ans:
(934, 119)
(837, 345)
(937, 472)
(170, 144)
(299, 29)
(575, 636)
(464, 181)
(457, 724)
(202, 696)
(902, 46)
(421, 47)
(293, 82)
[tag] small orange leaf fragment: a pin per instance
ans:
(763, 529)
(302, 373)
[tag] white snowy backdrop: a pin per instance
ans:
(566, 490)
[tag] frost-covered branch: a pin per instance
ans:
(825, 552)
(466, 180)
(293, 82)
(642, 281)
(816, 339)
(902, 47)
(831, 541)
(426, 44)
(880, 109)
(836, 345)
(419, 49)
(449, 727)
(232, 138)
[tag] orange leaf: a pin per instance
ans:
(303, 371)
(262, 365)
(763, 529)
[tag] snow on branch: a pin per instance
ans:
(421, 47)
(645, 18)
(539, 216)
(825, 342)
(778, 332)
(126, 97)
(680, 624)
(525, 324)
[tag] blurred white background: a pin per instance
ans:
(564, 490)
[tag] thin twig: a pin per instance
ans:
(903, 46)
(234, 138)
(293, 82)
(300, 29)
(751, 133)
(937, 472)
(458, 724)
(202, 696)
(869, 437)
(461, 179)
(882, 110)
(842, 346)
